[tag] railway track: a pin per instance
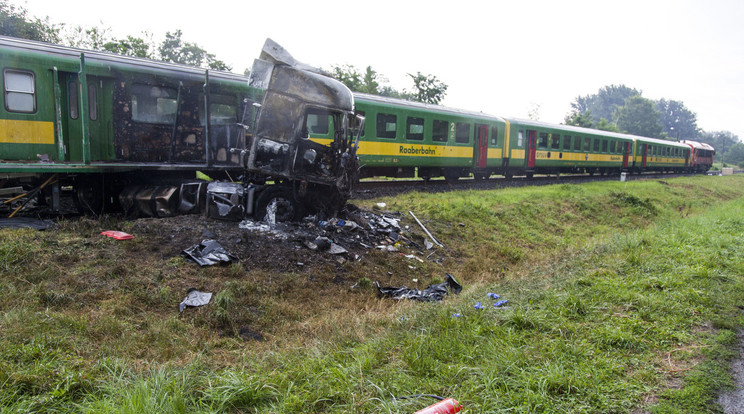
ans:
(369, 189)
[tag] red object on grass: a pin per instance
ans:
(446, 406)
(118, 235)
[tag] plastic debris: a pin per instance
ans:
(446, 406)
(494, 296)
(194, 298)
(380, 206)
(117, 235)
(431, 293)
(479, 306)
(208, 253)
(500, 303)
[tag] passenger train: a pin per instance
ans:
(100, 123)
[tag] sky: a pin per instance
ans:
(503, 58)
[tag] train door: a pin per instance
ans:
(644, 149)
(482, 142)
(531, 147)
(98, 114)
(626, 153)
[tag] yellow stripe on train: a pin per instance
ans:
(416, 150)
(26, 132)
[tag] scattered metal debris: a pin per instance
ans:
(194, 298)
(208, 253)
(431, 293)
(426, 230)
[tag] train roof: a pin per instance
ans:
(590, 131)
(698, 145)
(384, 100)
(71, 53)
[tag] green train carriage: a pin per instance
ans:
(403, 138)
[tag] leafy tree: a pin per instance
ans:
(131, 46)
(533, 112)
(678, 121)
(722, 141)
(15, 22)
(606, 125)
(735, 155)
(604, 103)
(639, 117)
(579, 119)
(427, 88)
(175, 50)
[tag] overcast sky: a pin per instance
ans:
(498, 57)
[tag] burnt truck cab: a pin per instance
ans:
(306, 174)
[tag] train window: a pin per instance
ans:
(612, 147)
(355, 125)
(439, 132)
(543, 141)
(577, 144)
(72, 94)
(92, 102)
(566, 142)
(462, 133)
(20, 91)
(596, 145)
(154, 104)
(556, 141)
(520, 139)
(387, 125)
(223, 109)
(317, 122)
(415, 128)
(587, 144)
(494, 136)
(604, 145)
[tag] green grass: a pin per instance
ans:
(621, 297)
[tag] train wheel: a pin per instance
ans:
(479, 176)
(451, 176)
(89, 194)
(281, 202)
(508, 175)
(529, 175)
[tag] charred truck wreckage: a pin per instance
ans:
(120, 133)
(284, 172)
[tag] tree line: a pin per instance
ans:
(620, 108)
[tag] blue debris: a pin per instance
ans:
(494, 296)
(479, 306)
(500, 303)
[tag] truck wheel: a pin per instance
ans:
(287, 208)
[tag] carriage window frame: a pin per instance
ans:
(439, 130)
(596, 145)
(542, 140)
(587, 144)
(219, 104)
(520, 139)
(73, 99)
(604, 145)
(385, 128)
(414, 128)
(162, 115)
(462, 132)
(577, 144)
(12, 90)
(555, 142)
(494, 136)
(567, 143)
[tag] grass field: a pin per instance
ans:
(623, 297)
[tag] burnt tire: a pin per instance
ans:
(287, 208)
